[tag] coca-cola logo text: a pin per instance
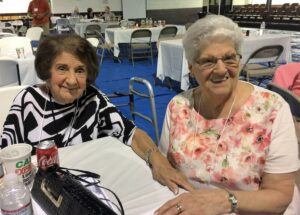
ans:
(47, 161)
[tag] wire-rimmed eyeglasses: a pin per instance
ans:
(230, 60)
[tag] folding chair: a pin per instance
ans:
(8, 30)
(92, 30)
(262, 63)
(168, 31)
(106, 47)
(34, 34)
(101, 46)
(134, 91)
(140, 44)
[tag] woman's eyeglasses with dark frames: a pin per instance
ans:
(231, 60)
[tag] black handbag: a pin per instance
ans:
(59, 192)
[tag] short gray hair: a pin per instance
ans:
(203, 30)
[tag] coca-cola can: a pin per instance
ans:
(47, 154)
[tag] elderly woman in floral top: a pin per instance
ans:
(234, 141)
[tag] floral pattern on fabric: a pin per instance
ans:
(237, 158)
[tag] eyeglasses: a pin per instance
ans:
(230, 61)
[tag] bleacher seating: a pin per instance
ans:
(285, 16)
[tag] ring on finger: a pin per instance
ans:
(178, 208)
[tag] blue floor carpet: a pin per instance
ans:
(115, 77)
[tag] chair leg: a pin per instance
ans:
(111, 52)
(151, 53)
(131, 105)
(102, 55)
(132, 57)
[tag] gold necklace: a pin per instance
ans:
(225, 161)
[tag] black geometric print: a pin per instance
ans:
(35, 117)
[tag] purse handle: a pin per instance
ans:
(80, 177)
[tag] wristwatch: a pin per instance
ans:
(233, 201)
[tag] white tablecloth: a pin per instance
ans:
(27, 71)
(172, 63)
(121, 170)
(9, 28)
(122, 35)
(81, 26)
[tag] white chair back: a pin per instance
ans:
(9, 72)
(34, 33)
(93, 41)
(7, 95)
(8, 46)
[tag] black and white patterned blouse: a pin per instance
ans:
(35, 117)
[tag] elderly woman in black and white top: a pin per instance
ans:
(70, 110)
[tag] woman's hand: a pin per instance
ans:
(162, 170)
(164, 173)
(204, 202)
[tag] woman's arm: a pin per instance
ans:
(273, 197)
(162, 170)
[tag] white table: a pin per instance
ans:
(11, 28)
(172, 63)
(27, 71)
(122, 35)
(81, 26)
(121, 170)
(4, 34)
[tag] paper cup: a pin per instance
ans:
(17, 159)
(20, 53)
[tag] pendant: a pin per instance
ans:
(225, 162)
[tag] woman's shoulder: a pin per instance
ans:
(184, 98)
(263, 98)
(93, 91)
(267, 95)
(30, 91)
(29, 95)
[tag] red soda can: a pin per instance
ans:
(47, 154)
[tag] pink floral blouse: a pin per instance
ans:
(237, 158)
